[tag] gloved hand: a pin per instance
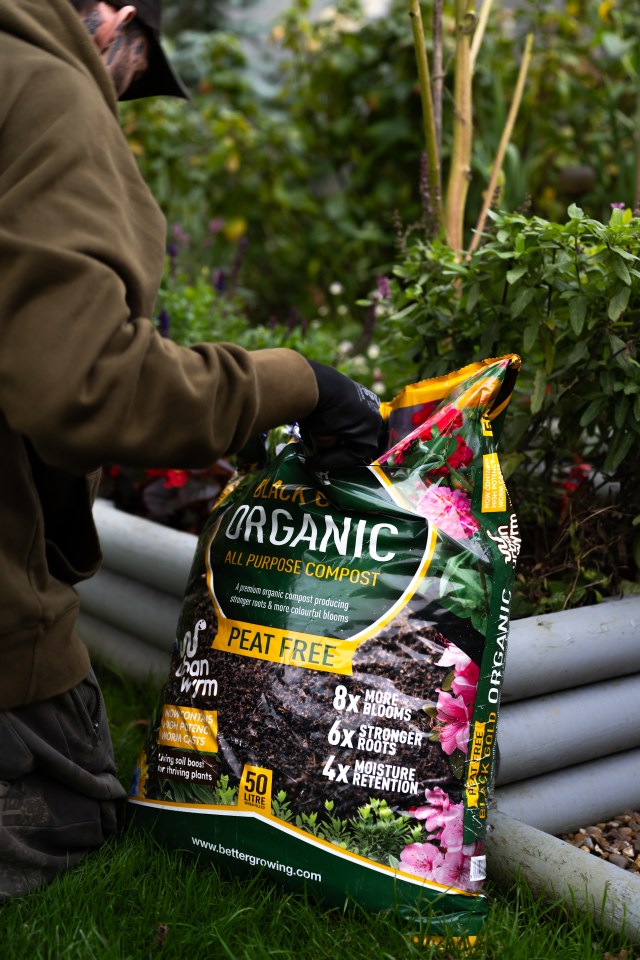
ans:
(345, 429)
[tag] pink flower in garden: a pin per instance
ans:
(383, 288)
(180, 235)
(172, 478)
(454, 715)
(176, 478)
(449, 511)
(422, 859)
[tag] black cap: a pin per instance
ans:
(160, 79)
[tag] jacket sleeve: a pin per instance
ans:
(83, 373)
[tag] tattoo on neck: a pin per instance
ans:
(93, 22)
(115, 49)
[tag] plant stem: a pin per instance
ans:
(636, 204)
(504, 142)
(460, 169)
(430, 136)
(478, 33)
(438, 72)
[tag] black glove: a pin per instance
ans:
(345, 429)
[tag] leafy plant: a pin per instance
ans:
(567, 298)
(223, 793)
(313, 180)
(377, 832)
(310, 151)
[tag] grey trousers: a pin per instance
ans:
(59, 794)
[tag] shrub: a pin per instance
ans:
(566, 297)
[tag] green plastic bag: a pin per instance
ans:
(331, 707)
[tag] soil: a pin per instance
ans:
(279, 717)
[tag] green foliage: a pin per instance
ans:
(376, 831)
(305, 168)
(308, 169)
(585, 149)
(313, 154)
(576, 134)
(223, 793)
(379, 833)
(207, 305)
(566, 297)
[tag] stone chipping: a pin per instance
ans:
(616, 840)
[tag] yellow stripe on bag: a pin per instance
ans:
(494, 492)
(285, 646)
(188, 728)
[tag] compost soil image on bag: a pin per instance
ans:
(331, 707)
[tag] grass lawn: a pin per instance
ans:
(135, 900)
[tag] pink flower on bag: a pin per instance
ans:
(453, 871)
(434, 813)
(442, 819)
(451, 834)
(451, 868)
(445, 858)
(466, 672)
(461, 456)
(449, 511)
(422, 859)
(454, 715)
(454, 657)
(465, 684)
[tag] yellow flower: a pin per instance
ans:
(235, 228)
(605, 8)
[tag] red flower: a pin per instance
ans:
(449, 420)
(461, 456)
(172, 478)
(421, 413)
(176, 478)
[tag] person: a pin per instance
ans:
(85, 379)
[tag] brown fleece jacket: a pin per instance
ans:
(85, 379)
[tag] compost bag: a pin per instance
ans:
(330, 712)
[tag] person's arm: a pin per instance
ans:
(83, 372)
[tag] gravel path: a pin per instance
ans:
(617, 840)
